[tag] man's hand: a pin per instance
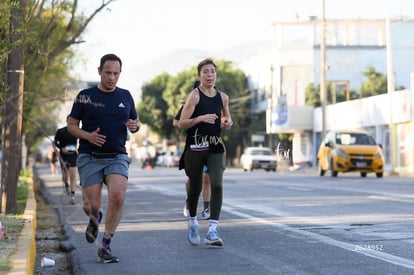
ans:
(133, 125)
(96, 139)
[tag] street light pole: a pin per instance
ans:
(323, 96)
(390, 87)
(271, 107)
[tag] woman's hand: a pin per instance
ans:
(209, 118)
(226, 124)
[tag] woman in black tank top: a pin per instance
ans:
(205, 113)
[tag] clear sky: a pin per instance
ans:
(140, 31)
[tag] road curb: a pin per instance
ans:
(23, 259)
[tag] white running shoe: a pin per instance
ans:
(213, 239)
(72, 200)
(205, 215)
(193, 235)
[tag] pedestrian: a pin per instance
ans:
(106, 112)
(67, 144)
(206, 192)
(53, 160)
(205, 113)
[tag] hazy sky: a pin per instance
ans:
(139, 31)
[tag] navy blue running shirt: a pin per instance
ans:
(108, 111)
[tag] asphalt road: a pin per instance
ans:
(271, 223)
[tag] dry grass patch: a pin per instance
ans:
(13, 224)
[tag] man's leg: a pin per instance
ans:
(72, 171)
(91, 178)
(72, 176)
(117, 185)
(206, 188)
(205, 214)
(92, 199)
(65, 175)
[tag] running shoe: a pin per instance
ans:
(72, 200)
(193, 235)
(105, 256)
(213, 239)
(93, 228)
(205, 214)
(67, 189)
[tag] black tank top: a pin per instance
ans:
(205, 136)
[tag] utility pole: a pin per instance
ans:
(12, 132)
(323, 92)
(390, 88)
(271, 102)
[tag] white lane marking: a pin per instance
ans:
(323, 239)
(399, 198)
(229, 208)
(299, 188)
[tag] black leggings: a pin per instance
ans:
(194, 162)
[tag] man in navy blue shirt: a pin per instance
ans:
(106, 112)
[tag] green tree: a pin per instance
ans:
(13, 102)
(161, 97)
(376, 83)
(152, 107)
(177, 90)
(39, 34)
(52, 27)
(234, 83)
(312, 95)
(4, 36)
(55, 26)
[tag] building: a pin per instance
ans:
(374, 115)
(278, 77)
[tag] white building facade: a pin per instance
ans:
(375, 115)
(278, 79)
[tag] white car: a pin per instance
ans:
(258, 158)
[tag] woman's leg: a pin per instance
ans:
(216, 166)
(194, 162)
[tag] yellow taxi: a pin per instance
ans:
(350, 151)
